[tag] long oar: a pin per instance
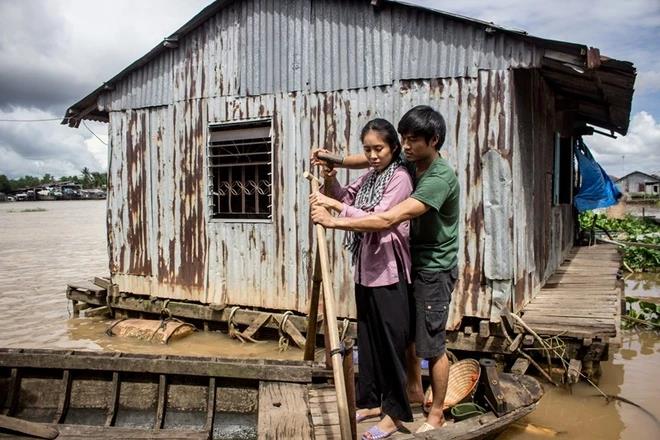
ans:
(331, 322)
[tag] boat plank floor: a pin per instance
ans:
(283, 411)
(581, 298)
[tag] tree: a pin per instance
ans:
(5, 184)
(47, 178)
(87, 179)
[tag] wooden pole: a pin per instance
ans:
(349, 374)
(313, 315)
(331, 322)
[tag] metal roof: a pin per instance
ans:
(596, 89)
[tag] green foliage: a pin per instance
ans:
(641, 313)
(89, 179)
(629, 229)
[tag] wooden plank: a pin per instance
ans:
(65, 397)
(162, 401)
(13, 392)
(39, 430)
(566, 314)
(111, 414)
(480, 427)
(286, 371)
(83, 432)
(210, 405)
(255, 325)
(283, 411)
(554, 331)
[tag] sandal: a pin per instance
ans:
(426, 426)
(375, 433)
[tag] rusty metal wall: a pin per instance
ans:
(260, 47)
(162, 242)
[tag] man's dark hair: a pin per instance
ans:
(423, 121)
(386, 131)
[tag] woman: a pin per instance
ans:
(382, 271)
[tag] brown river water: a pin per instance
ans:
(64, 241)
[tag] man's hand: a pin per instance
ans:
(315, 161)
(321, 216)
(316, 198)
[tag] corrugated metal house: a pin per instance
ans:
(638, 182)
(211, 130)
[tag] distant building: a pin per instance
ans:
(638, 182)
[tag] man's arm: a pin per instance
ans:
(352, 161)
(355, 162)
(406, 210)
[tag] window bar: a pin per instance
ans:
(256, 192)
(230, 189)
(243, 210)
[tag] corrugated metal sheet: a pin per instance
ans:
(542, 233)
(162, 243)
(265, 46)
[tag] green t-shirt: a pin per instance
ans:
(434, 235)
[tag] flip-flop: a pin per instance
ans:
(375, 433)
(426, 426)
(360, 418)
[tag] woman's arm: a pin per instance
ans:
(398, 189)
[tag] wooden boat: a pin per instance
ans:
(100, 395)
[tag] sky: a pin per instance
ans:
(54, 52)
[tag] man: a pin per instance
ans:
(433, 209)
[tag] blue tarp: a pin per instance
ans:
(597, 189)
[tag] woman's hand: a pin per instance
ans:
(318, 199)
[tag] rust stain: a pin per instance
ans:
(137, 194)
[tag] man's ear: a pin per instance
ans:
(434, 141)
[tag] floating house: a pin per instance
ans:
(210, 132)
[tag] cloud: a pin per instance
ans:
(639, 150)
(55, 52)
(36, 148)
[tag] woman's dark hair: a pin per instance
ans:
(423, 121)
(387, 131)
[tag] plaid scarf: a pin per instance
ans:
(368, 196)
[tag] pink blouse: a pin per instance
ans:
(378, 252)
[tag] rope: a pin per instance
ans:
(109, 329)
(344, 328)
(566, 365)
(283, 342)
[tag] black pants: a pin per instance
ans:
(383, 326)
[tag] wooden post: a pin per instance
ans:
(349, 374)
(313, 315)
(331, 322)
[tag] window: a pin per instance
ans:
(563, 171)
(240, 171)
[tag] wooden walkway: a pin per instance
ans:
(581, 299)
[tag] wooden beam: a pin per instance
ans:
(162, 401)
(39, 430)
(115, 388)
(210, 405)
(286, 371)
(65, 397)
